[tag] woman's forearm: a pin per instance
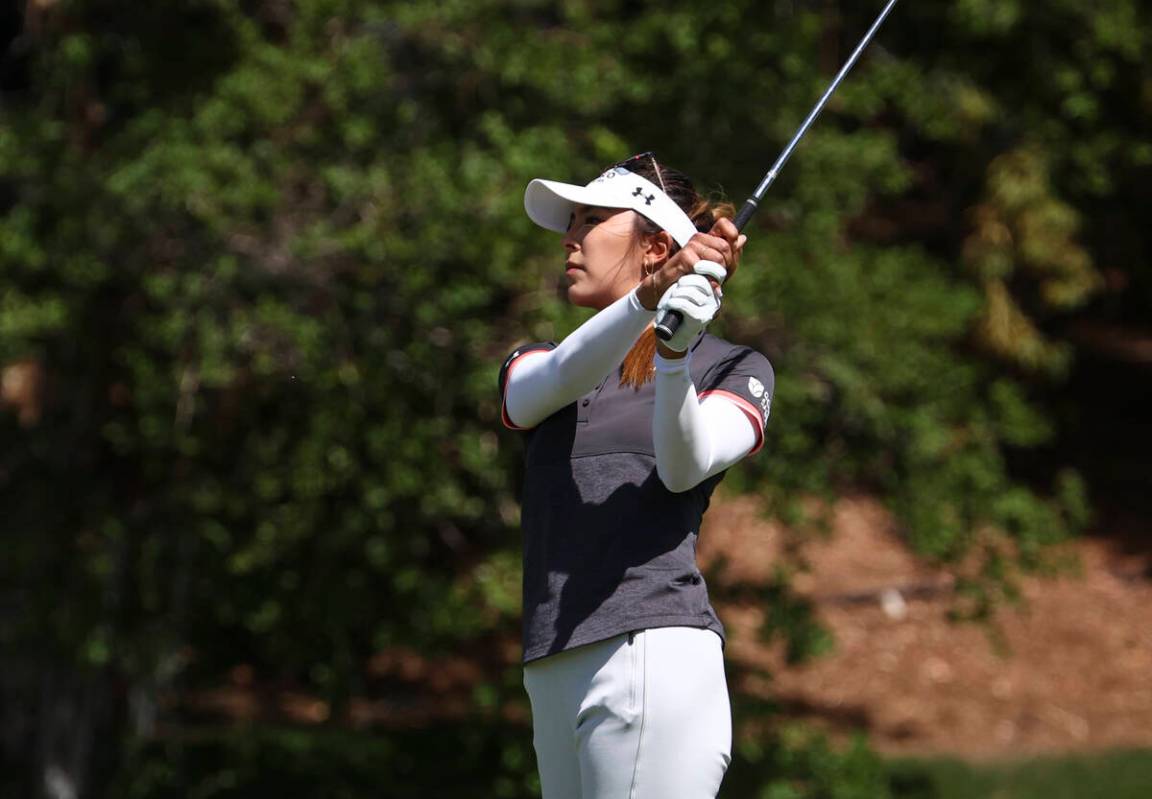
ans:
(542, 382)
(694, 440)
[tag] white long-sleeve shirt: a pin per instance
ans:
(693, 438)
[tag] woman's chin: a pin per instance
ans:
(581, 297)
(584, 297)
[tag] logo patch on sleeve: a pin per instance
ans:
(756, 387)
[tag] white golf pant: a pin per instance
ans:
(643, 715)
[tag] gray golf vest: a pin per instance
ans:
(607, 548)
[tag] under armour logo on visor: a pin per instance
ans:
(640, 193)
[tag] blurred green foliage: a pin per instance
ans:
(489, 762)
(261, 260)
(1121, 774)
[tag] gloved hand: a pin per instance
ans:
(697, 301)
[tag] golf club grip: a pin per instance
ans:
(667, 324)
(746, 212)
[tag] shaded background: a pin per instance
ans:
(261, 261)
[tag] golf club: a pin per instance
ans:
(668, 322)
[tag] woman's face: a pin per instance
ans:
(605, 256)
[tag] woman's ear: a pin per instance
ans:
(658, 247)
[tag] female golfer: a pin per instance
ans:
(626, 438)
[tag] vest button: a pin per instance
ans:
(585, 402)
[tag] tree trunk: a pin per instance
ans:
(60, 730)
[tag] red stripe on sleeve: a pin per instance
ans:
(504, 389)
(750, 411)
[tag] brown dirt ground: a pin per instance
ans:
(1073, 671)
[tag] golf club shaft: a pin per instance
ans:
(666, 327)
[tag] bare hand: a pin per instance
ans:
(722, 244)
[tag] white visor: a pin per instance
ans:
(550, 204)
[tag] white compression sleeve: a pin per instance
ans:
(544, 382)
(694, 440)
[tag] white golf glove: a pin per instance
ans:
(696, 301)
